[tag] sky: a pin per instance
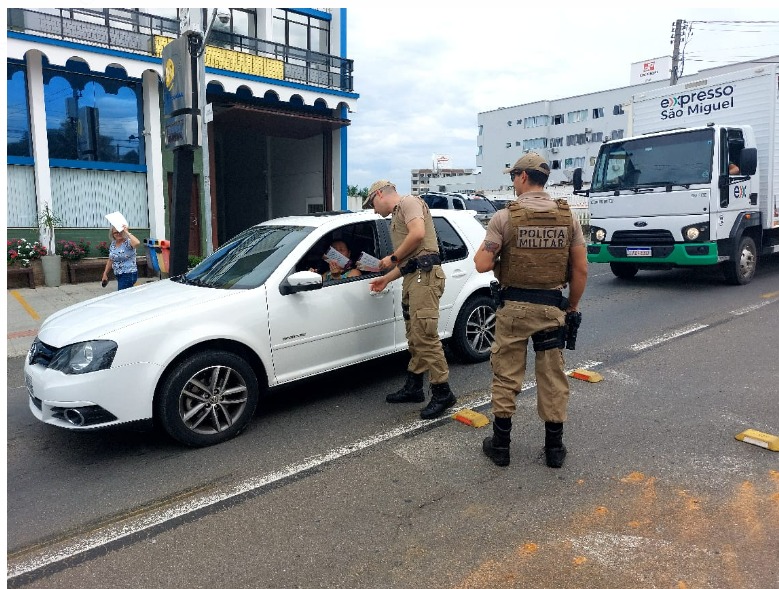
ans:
(424, 74)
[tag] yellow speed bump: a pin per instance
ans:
(472, 418)
(588, 375)
(752, 436)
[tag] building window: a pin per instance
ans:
(92, 118)
(577, 116)
(556, 142)
(481, 130)
(618, 110)
(558, 120)
(597, 113)
(479, 151)
(618, 134)
(18, 112)
(537, 121)
(301, 30)
(596, 137)
(555, 164)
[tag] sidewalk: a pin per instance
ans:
(28, 307)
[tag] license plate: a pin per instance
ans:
(639, 252)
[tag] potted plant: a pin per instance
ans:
(52, 265)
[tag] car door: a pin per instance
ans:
(339, 324)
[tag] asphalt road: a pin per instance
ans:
(332, 487)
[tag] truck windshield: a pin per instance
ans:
(248, 259)
(676, 159)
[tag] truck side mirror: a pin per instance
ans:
(748, 163)
(577, 179)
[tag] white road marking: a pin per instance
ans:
(116, 532)
(745, 310)
(667, 336)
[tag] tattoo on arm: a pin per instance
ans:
(491, 247)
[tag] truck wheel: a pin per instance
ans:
(208, 398)
(474, 330)
(621, 270)
(741, 268)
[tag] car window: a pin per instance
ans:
(248, 259)
(436, 202)
(360, 238)
(500, 204)
(480, 206)
(450, 245)
(458, 204)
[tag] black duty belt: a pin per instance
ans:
(553, 298)
(423, 263)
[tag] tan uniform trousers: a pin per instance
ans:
(421, 295)
(516, 322)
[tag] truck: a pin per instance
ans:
(695, 183)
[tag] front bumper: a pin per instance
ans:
(679, 254)
(103, 398)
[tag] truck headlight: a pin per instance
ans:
(699, 232)
(84, 357)
(598, 234)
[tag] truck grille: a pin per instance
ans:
(650, 237)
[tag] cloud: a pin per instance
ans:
(424, 74)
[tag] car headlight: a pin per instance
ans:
(84, 357)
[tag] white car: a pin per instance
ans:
(194, 352)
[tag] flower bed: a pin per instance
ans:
(21, 252)
(73, 250)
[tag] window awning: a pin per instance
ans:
(274, 122)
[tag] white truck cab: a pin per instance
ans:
(698, 185)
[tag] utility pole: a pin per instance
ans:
(677, 41)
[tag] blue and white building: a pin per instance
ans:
(85, 128)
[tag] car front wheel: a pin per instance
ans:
(208, 398)
(474, 330)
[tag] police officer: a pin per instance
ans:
(416, 258)
(536, 247)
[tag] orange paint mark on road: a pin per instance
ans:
(681, 585)
(529, 548)
(774, 474)
(579, 560)
(633, 477)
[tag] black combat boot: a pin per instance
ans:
(442, 399)
(553, 447)
(496, 446)
(412, 391)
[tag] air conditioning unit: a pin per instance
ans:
(555, 149)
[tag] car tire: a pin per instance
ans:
(208, 398)
(624, 271)
(742, 269)
(474, 330)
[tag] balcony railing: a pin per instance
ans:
(131, 30)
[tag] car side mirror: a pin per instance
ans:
(300, 282)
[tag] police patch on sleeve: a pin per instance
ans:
(542, 237)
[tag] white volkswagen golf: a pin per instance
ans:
(194, 352)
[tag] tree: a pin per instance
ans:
(355, 191)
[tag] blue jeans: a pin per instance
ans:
(126, 280)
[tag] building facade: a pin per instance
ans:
(567, 132)
(85, 119)
(432, 180)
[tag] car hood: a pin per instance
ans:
(98, 318)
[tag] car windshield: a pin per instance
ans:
(248, 259)
(480, 205)
(678, 159)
